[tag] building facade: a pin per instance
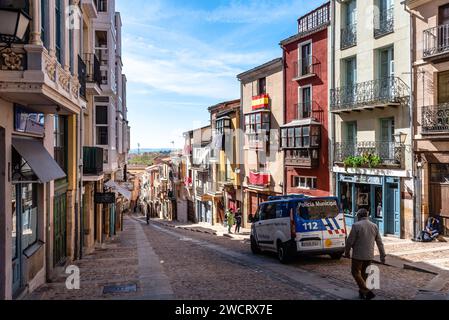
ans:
(262, 114)
(305, 132)
(224, 183)
(370, 106)
(430, 45)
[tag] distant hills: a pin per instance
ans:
(151, 150)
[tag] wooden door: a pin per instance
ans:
(60, 228)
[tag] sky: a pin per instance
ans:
(182, 56)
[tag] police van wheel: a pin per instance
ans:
(254, 246)
(283, 253)
(336, 256)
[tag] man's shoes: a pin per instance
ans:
(370, 295)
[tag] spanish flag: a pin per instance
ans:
(260, 102)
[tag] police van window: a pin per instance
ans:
(318, 209)
(268, 211)
(282, 210)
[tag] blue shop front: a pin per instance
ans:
(380, 195)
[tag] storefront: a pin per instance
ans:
(379, 195)
(204, 211)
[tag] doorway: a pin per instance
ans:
(392, 212)
(60, 227)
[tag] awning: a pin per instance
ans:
(117, 188)
(41, 162)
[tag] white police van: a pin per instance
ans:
(296, 224)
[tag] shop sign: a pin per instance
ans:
(361, 179)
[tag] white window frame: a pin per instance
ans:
(298, 184)
(301, 99)
(300, 45)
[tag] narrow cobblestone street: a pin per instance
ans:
(160, 262)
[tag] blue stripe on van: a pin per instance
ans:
(330, 224)
(336, 223)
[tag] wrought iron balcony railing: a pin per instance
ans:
(384, 22)
(93, 69)
(309, 109)
(306, 67)
(436, 41)
(390, 153)
(93, 160)
(348, 36)
(435, 119)
(375, 92)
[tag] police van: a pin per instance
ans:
(297, 224)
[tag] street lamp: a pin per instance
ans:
(400, 137)
(13, 26)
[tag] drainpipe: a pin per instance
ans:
(81, 170)
(333, 176)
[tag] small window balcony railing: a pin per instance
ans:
(348, 36)
(82, 76)
(384, 22)
(390, 153)
(93, 72)
(436, 41)
(309, 109)
(307, 67)
(380, 92)
(435, 119)
(93, 160)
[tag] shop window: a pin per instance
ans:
(29, 214)
(346, 197)
(363, 197)
(378, 204)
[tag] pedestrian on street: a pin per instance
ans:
(361, 240)
(238, 221)
(230, 220)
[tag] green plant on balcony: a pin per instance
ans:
(364, 160)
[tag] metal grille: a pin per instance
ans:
(435, 118)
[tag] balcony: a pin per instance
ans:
(390, 91)
(92, 161)
(90, 7)
(314, 20)
(348, 36)
(306, 159)
(82, 76)
(435, 119)
(436, 43)
(306, 68)
(306, 110)
(384, 23)
(259, 179)
(214, 189)
(389, 154)
(93, 74)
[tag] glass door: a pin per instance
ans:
(443, 29)
(306, 103)
(16, 244)
(306, 59)
(351, 140)
(386, 73)
(351, 80)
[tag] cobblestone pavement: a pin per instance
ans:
(164, 262)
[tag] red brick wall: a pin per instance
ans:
(320, 91)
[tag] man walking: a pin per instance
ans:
(361, 240)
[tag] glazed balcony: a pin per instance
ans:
(390, 91)
(306, 158)
(348, 36)
(92, 161)
(384, 23)
(436, 43)
(435, 119)
(390, 153)
(259, 179)
(306, 68)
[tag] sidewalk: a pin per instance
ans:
(125, 268)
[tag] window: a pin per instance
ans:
(443, 87)
(256, 122)
(44, 23)
(301, 137)
(28, 205)
(60, 141)
(306, 59)
(59, 28)
(222, 124)
(305, 103)
(306, 183)
(102, 5)
(318, 209)
(262, 83)
(102, 125)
